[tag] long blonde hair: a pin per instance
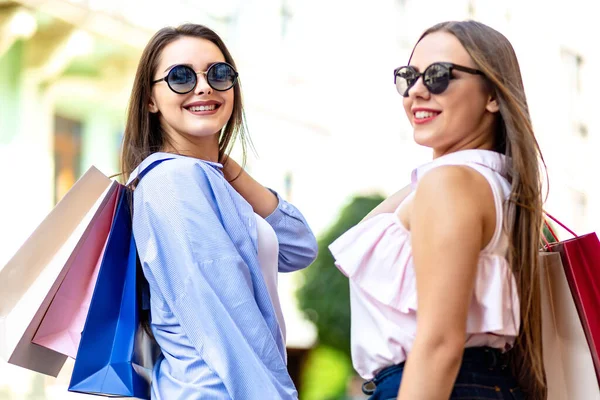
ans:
(495, 57)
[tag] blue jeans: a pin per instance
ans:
(483, 375)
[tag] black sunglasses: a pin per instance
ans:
(182, 79)
(436, 77)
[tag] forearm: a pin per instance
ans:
(262, 200)
(430, 371)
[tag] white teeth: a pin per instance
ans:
(203, 108)
(424, 114)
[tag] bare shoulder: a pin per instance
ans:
(452, 180)
(455, 191)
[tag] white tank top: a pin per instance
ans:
(268, 258)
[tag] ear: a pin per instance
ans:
(492, 105)
(152, 106)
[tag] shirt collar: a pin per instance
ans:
(159, 157)
(487, 158)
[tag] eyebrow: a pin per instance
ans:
(191, 66)
(171, 66)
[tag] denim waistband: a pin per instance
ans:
(473, 358)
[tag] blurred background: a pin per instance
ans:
(325, 118)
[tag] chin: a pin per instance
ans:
(204, 131)
(426, 139)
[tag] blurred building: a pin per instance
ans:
(65, 73)
(323, 113)
(66, 69)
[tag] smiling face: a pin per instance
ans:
(463, 115)
(198, 116)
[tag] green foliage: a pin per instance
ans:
(547, 234)
(326, 374)
(324, 297)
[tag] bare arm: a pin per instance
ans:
(390, 204)
(447, 232)
(262, 200)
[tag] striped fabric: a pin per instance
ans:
(211, 311)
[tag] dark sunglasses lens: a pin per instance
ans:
(437, 78)
(405, 79)
(182, 79)
(221, 76)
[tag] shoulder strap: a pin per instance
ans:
(146, 166)
(140, 172)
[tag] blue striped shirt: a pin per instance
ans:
(211, 312)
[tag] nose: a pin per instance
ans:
(419, 90)
(202, 86)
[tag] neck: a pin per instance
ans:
(203, 147)
(480, 140)
(438, 153)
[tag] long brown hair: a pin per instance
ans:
(143, 132)
(494, 55)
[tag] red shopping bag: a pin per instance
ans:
(570, 372)
(580, 257)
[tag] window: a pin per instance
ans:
(288, 183)
(580, 205)
(471, 9)
(67, 155)
(582, 130)
(286, 17)
(572, 64)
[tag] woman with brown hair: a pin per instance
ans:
(443, 275)
(210, 238)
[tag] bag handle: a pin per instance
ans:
(561, 224)
(552, 230)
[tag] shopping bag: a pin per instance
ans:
(570, 372)
(580, 258)
(61, 327)
(30, 279)
(115, 355)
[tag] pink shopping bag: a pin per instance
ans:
(63, 323)
(31, 278)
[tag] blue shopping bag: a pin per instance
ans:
(115, 356)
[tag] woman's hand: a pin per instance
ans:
(262, 200)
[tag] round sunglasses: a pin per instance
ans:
(436, 77)
(182, 79)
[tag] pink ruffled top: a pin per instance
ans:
(376, 256)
